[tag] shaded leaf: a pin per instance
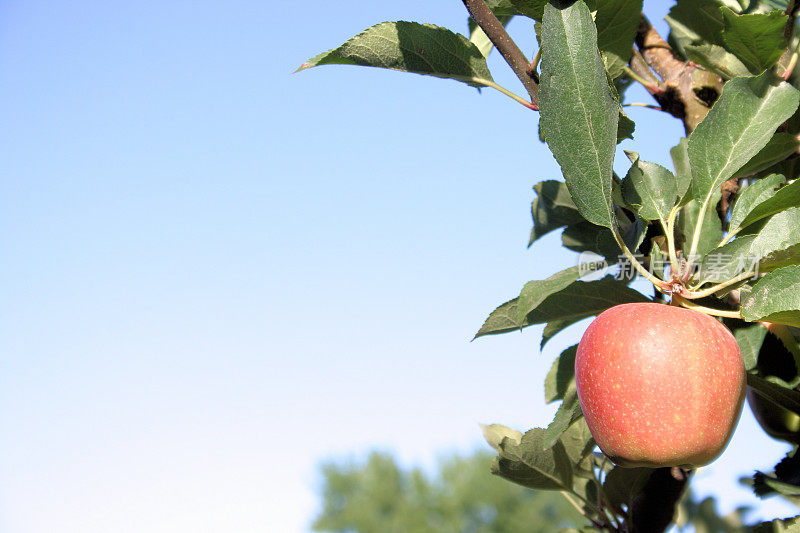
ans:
(697, 21)
(683, 170)
(786, 398)
(556, 326)
(756, 39)
(587, 237)
(750, 339)
(774, 298)
(579, 444)
(561, 375)
(621, 485)
(617, 22)
(625, 127)
(552, 208)
(411, 47)
(779, 147)
(787, 525)
(579, 114)
(567, 414)
(479, 38)
(530, 8)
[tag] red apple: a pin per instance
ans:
(659, 385)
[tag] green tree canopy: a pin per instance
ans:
(460, 496)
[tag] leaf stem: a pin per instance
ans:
(535, 64)
(572, 501)
(670, 230)
(496, 33)
(792, 60)
(728, 237)
(511, 95)
(696, 235)
(707, 310)
(692, 294)
(651, 87)
(659, 284)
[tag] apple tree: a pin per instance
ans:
(717, 237)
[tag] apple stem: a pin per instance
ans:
(707, 310)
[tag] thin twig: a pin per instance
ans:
(640, 104)
(493, 29)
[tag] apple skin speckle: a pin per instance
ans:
(659, 385)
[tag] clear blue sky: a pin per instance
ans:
(217, 274)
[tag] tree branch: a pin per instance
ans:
(688, 92)
(493, 29)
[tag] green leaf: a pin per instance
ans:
(625, 127)
(579, 114)
(683, 170)
(750, 339)
(787, 525)
(756, 39)
(561, 375)
(711, 230)
(785, 197)
(411, 47)
(530, 8)
(579, 444)
(556, 326)
(502, 8)
(786, 398)
(621, 485)
(737, 127)
(587, 237)
(716, 59)
(779, 147)
(480, 39)
(751, 196)
(697, 21)
(728, 261)
(651, 187)
(552, 208)
(775, 298)
(532, 465)
(567, 414)
(535, 292)
(776, 245)
(581, 299)
(617, 22)
(495, 433)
